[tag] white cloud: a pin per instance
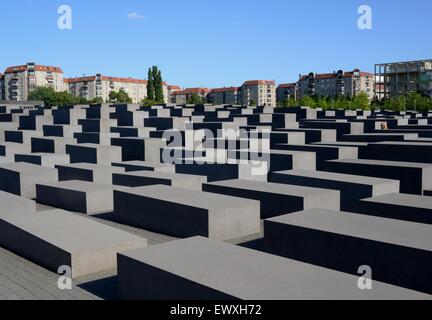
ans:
(134, 15)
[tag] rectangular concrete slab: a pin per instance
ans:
(57, 238)
(147, 178)
(184, 213)
(88, 172)
(398, 252)
(277, 199)
(405, 207)
(11, 203)
(21, 178)
(352, 188)
(94, 153)
(199, 268)
(401, 151)
(145, 166)
(77, 196)
(43, 159)
(413, 177)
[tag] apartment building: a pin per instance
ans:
(2, 87)
(398, 78)
(357, 82)
(100, 86)
(182, 96)
(258, 92)
(338, 83)
(286, 92)
(170, 91)
(224, 95)
(19, 81)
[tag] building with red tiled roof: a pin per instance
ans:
(258, 92)
(100, 86)
(182, 96)
(341, 83)
(19, 81)
(286, 91)
(230, 95)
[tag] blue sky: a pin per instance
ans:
(213, 43)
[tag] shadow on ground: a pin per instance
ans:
(105, 288)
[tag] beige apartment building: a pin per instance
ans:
(229, 95)
(171, 89)
(100, 86)
(258, 92)
(19, 81)
(182, 96)
(337, 83)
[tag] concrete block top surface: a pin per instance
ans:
(282, 152)
(95, 146)
(69, 231)
(384, 163)
(14, 144)
(403, 233)
(342, 144)
(268, 187)
(9, 199)
(253, 275)
(27, 168)
(421, 143)
(93, 167)
(78, 185)
(165, 175)
(191, 198)
(405, 200)
(46, 155)
(338, 177)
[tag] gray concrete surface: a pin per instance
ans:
(199, 268)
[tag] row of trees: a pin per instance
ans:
(411, 101)
(360, 101)
(53, 98)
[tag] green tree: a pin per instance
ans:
(360, 101)
(155, 85)
(418, 101)
(158, 83)
(52, 98)
(119, 97)
(146, 102)
(322, 103)
(252, 103)
(341, 102)
(308, 101)
(97, 100)
(150, 85)
(194, 98)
